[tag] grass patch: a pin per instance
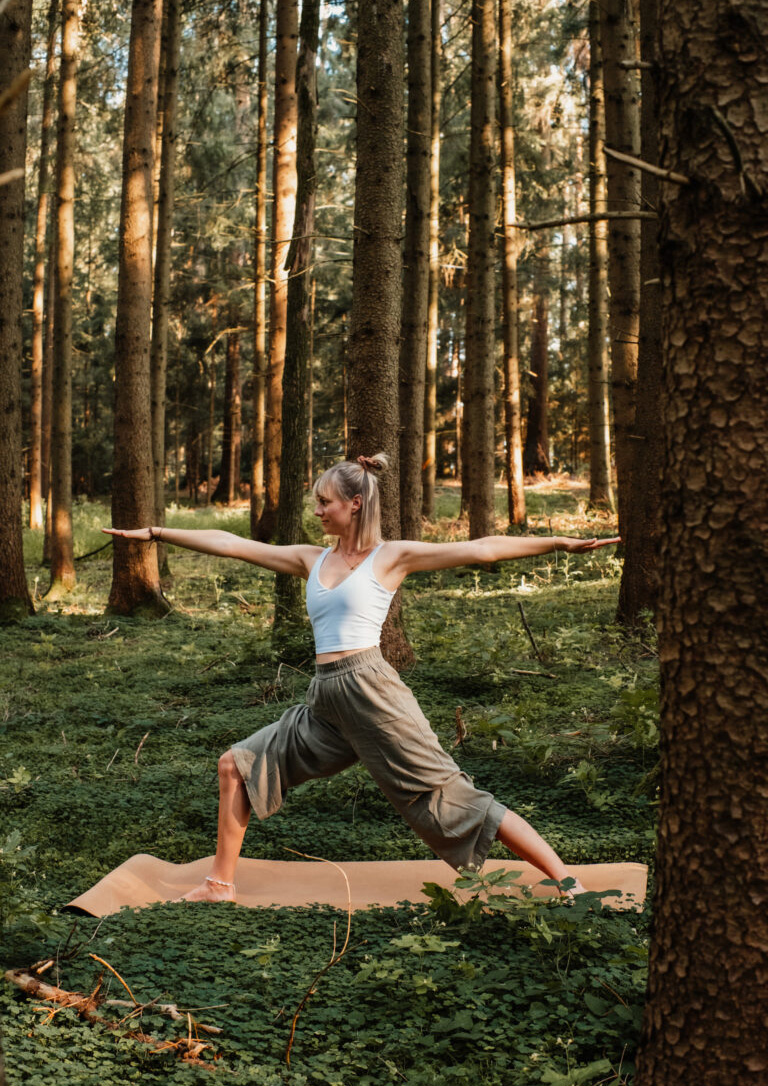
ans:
(414, 1000)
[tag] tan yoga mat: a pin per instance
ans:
(144, 880)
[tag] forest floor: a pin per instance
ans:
(110, 730)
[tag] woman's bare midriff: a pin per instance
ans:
(329, 657)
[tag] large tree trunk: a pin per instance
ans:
(639, 576)
(260, 288)
(429, 473)
(15, 45)
(161, 301)
(284, 205)
(135, 578)
(62, 547)
(513, 423)
(479, 454)
(600, 487)
(705, 1020)
(289, 609)
(413, 349)
(377, 269)
(622, 133)
(36, 492)
(536, 450)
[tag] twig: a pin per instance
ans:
(528, 631)
(20, 83)
(598, 216)
(98, 550)
(641, 164)
(539, 674)
(138, 749)
(11, 175)
(334, 956)
(745, 180)
(461, 728)
(115, 973)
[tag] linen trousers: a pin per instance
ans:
(359, 710)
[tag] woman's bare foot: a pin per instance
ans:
(210, 891)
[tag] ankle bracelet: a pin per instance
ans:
(219, 882)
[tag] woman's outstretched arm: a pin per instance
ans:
(408, 556)
(297, 559)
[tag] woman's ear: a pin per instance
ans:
(357, 503)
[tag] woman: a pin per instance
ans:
(357, 708)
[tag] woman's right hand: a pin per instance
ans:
(144, 535)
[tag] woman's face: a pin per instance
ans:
(336, 515)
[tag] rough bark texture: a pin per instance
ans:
(289, 609)
(513, 422)
(598, 366)
(171, 49)
(377, 269)
(536, 450)
(62, 548)
(413, 349)
(15, 38)
(479, 454)
(135, 579)
(639, 577)
(430, 384)
(36, 494)
(260, 287)
(707, 1001)
(284, 206)
(622, 133)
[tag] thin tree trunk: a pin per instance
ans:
(377, 269)
(260, 291)
(600, 488)
(289, 609)
(135, 577)
(705, 1017)
(413, 350)
(228, 486)
(284, 187)
(48, 365)
(429, 474)
(536, 451)
(622, 133)
(62, 547)
(311, 385)
(161, 301)
(15, 46)
(512, 408)
(638, 591)
(36, 519)
(479, 456)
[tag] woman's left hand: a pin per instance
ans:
(579, 546)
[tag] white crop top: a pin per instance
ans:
(349, 616)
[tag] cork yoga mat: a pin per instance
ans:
(145, 880)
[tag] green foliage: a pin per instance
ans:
(110, 730)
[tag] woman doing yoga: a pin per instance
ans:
(357, 708)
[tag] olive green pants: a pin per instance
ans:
(359, 710)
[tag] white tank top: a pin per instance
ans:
(349, 616)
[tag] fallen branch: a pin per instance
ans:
(334, 956)
(538, 674)
(528, 631)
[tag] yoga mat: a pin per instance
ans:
(144, 880)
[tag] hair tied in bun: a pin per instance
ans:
(369, 464)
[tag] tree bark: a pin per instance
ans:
(260, 290)
(36, 518)
(705, 1019)
(62, 547)
(289, 608)
(228, 486)
(377, 269)
(284, 206)
(429, 474)
(536, 451)
(479, 454)
(135, 578)
(512, 407)
(161, 301)
(600, 486)
(638, 591)
(15, 46)
(622, 133)
(413, 348)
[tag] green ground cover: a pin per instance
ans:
(539, 994)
